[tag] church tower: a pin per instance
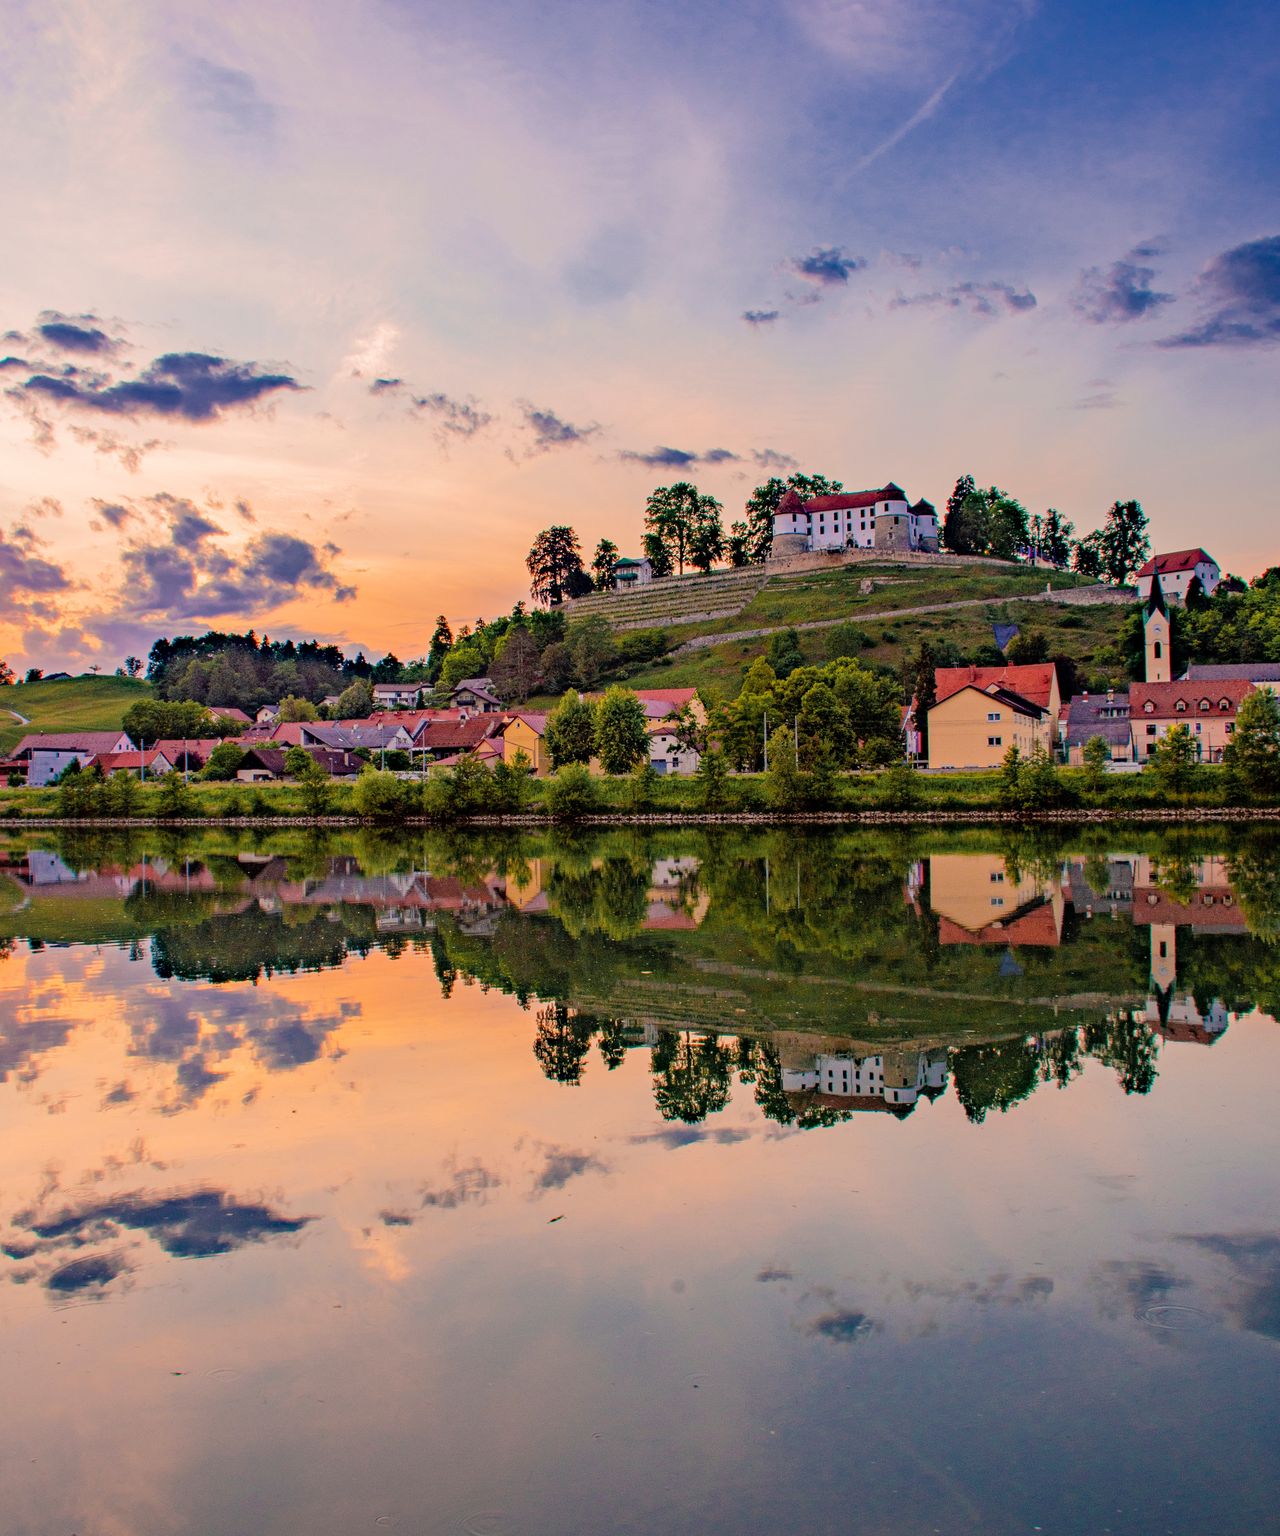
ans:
(1156, 629)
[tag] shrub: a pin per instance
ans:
(899, 788)
(642, 785)
(378, 796)
(175, 799)
(711, 780)
(572, 793)
(223, 761)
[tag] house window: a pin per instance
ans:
(995, 741)
(1224, 704)
(1151, 730)
(997, 877)
(994, 716)
(1149, 707)
(1181, 706)
(1204, 703)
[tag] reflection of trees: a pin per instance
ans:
(803, 1111)
(1127, 1044)
(997, 1076)
(562, 1041)
(610, 897)
(1254, 872)
(691, 1075)
(243, 946)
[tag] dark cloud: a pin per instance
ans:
(25, 1040)
(194, 1225)
(772, 1273)
(841, 1326)
(14, 365)
(760, 317)
(462, 1186)
(1131, 1286)
(191, 386)
(93, 1273)
(112, 512)
(386, 386)
(121, 1093)
(1240, 291)
(677, 458)
(561, 1165)
(825, 266)
(76, 333)
(552, 431)
(985, 299)
(770, 458)
(230, 95)
(675, 1136)
(24, 572)
(1121, 293)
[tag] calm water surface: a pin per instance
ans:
(645, 1183)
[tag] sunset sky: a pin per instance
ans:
(314, 314)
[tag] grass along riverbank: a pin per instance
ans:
(575, 796)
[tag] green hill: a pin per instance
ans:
(77, 704)
(738, 611)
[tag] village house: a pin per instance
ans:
(152, 763)
(630, 573)
(1177, 571)
(397, 695)
(892, 1081)
(1099, 714)
(476, 695)
(983, 711)
(442, 739)
(669, 751)
(267, 714)
(525, 731)
(882, 519)
(41, 756)
(978, 901)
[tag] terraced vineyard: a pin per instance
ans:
(674, 600)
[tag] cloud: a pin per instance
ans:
(76, 333)
(112, 512)
(370, 354)
(469, 1185)
(561, 1165)
(1121, 293)
(385, 386)
(453, 418)
(757, 318)
(677, 458)
(191, 386)
(771, 458)
(841, 1326)
(24, 572)
(552, 431)
(230, 95)
(129, 454)
(1240, 292)
(1253, 1301)
(195, 1225)
(825, 266)
(93, 1273)
(986, 299)
(774, 1273)
(677, 1136)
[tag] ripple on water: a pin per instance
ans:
(1166, 1314)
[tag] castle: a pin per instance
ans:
(882, 520)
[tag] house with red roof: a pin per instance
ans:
(983, 711)
(1207, 709)
(43, 755)
(1177, 570)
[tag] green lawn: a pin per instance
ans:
(80, 704)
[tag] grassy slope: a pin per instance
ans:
(79, 704)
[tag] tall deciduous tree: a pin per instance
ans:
(658, 554)
(1086, 558)
(622, 738)
(555, 565)
(571, 731)
(515, 665)
(1253, 754)
(674, 513)
(604, 565)
(956, 532)
(1124, 544)
(1056, 539)
(706, 540)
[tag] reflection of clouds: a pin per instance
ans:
(194, 1224)
(561, 1165)
(1001, 1290)
(1128, 1287)
(1252, 1290)
(843, 1325)
(686, 1135)
(468, 1184)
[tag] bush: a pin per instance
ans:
(512, 785)
(711, 780)
(899, 788)
(175, 800)
(847, 640)
(572, 793)
(642, 785)
(223, 761)
(378, 796)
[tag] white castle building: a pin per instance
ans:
(882, 519)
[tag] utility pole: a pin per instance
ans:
(766, 741)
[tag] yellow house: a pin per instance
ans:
(974, 727)
(526, 732)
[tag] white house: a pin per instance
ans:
(894, 1079)
(396, 695)
(881, 519)
(668, 753)
(47, 754)
(1176, 573)
(629, 573)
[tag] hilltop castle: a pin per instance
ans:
(882, 520)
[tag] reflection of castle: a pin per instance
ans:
(891, 1081)
(1197, 896)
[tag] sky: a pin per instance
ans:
(312, 315)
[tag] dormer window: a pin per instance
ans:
(1224, 703)
(1181, 706)
(1149, 707)
(1204, 703)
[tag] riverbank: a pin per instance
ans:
(893, 796)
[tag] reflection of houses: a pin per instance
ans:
(891, 1081)
(1202, 900)
(675, 900)
(1098, 714)
(977, 901)
(1115, 898)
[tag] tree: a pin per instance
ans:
(296, 761)
(783, 652)
(571, 731)
(1087, 557)
(1123, 543)
(738, 545)
(675, 514)
(1056, 539)
(34, 674)
(784, 783)
(923, 688)
(441, 641)
(557, 667)
(314, 785)
(657, 554)
(1173, 761)
(572, 793)
(293, 708)
(706, 541)
(691, 1078)
(515, 665)
(513, 784)
(8, 676)
(1096, 754)
(711, 777)
(175, 799)
(957, 534)
(223, 761)
(603, 565)
(169, 720)
(1253, 754)
(355, 702)
(763, 503)
(1027, 648)
(378, 796)
(555, 565)
(622, 736)
(592, 649)
(120, 795)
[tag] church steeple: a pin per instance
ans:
(1157, 635)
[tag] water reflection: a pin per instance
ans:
(676, 1177)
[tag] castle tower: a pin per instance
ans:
(1156, 630)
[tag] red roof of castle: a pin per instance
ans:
(1179, 560)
